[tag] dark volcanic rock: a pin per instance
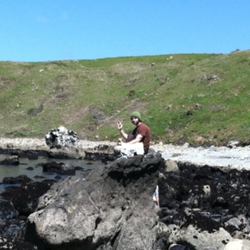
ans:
(104, 153)
(25, 197)
(58, 168)
(21, 179)
(66, 153)
(7, 211)
(16, 245)
(206, 198)
(10, 224)
(30, 154)
(11, 160)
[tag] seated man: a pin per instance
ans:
(139, 138)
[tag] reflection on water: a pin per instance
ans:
(21, 169)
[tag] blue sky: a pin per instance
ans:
(34, 31)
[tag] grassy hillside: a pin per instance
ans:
(196, 98)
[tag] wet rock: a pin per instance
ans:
(39, 177)
(11, 160)
(66, 153)
(30, 168)
(77, 168)
(102, 152)
(99, 156)
(21, 179)
(58, 168)
(31, 154)
(25, 197)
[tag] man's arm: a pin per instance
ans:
(120, 127)
(140, 135)
(136, 140)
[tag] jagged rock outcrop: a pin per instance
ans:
(111, 208)
(61, 138)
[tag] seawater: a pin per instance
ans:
(21, 169)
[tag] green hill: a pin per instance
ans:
(196, 98)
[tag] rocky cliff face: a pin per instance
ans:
(111, 208)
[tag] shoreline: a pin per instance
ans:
(40, 144)
(234, 157)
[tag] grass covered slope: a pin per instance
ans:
(196, 98)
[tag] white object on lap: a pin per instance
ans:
(130, 150)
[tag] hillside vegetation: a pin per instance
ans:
(195, 98)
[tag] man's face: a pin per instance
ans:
(134, 120)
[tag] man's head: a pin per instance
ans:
(135, 117)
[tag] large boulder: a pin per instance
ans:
(61, 138)
(111, 208)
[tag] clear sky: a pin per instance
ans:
(47, 30)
